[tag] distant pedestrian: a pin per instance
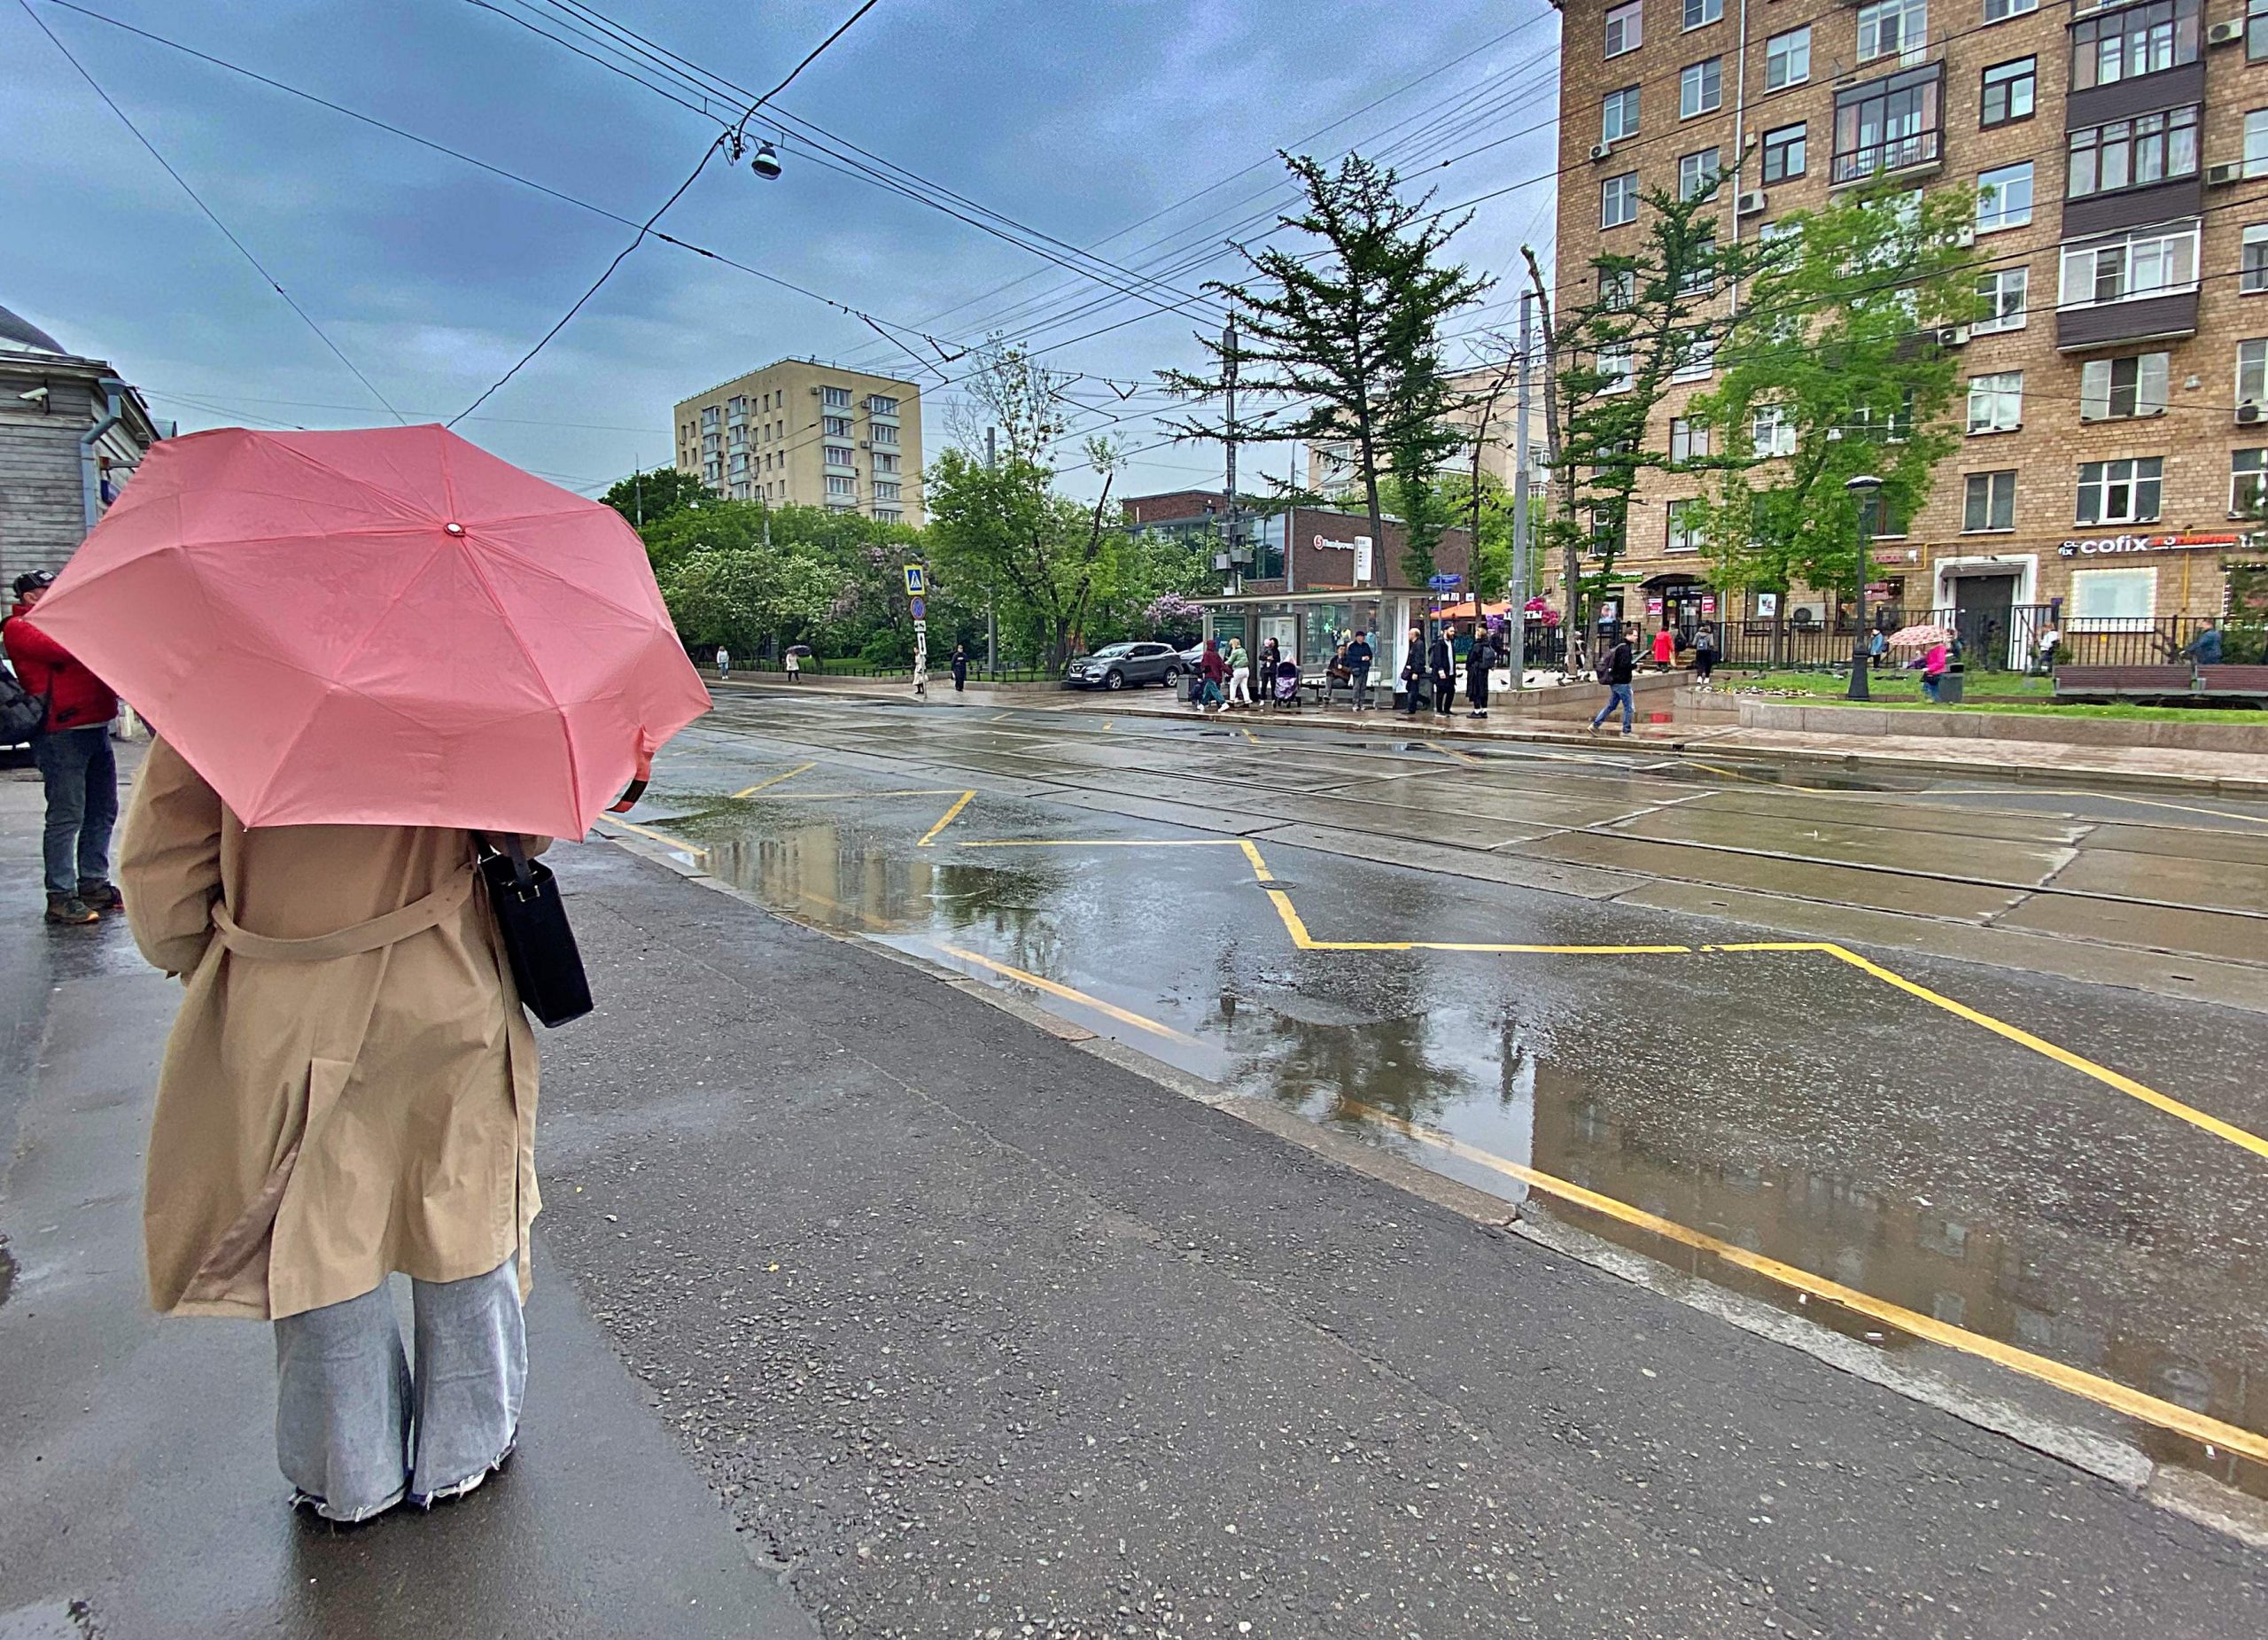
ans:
(1665, 649)
(960, 668)
(1705, 654)
(1935, 662)
(2204, 649)
(1615, 669)
(724, 664)
(795, 664)
(1413, 673)
(2050, 640)
(1359, 658)
(72, 749)
(1239, 674)
(1877, 649)
(1440, 671)
(1478, 664)
(1216, 670)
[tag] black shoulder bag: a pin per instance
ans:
(532, 921)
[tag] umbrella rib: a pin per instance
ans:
(574, 764)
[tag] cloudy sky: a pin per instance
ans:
(1073, 120)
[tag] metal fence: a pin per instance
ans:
(2007, 639)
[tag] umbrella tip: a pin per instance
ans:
(454, 528)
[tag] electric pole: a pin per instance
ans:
(991, 622)
(1229, 446)
(1515, 625)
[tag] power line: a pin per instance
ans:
(692, 176)
(210, 215)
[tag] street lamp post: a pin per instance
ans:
(1865, 487)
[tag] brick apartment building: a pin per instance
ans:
(1296, 575)
(803, 433)
(2117, 404)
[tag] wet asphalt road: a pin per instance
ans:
(1785, 1102)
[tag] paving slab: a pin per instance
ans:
(1386, 849)
(1845, 838)
(1801, 878)
(2209, 934)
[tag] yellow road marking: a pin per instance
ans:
(921, 791)
(775, 781)
(1248, 735)
(1000, 717)
(1107, 723)
(676, 844)
(2101, 1391)
(1817, 791)
(1069, 995)
(1451, 752)
(945, 820)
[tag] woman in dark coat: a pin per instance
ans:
(960, 668)
(1477, 665)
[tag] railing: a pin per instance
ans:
(1879, 158)
(1997, 640)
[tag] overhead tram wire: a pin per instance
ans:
(210, 215)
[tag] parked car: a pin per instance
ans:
(1121, 665)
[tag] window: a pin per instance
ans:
(2132, 154)
(1626, 29)
(1618, 201)
(2002, 295)
(838, 455)
(1989, 503)
(885, 461)
(1875, 517)
(709, 415)
(1686, 532)
(1687, 440)
(737, 405)
(881, 404)
(1701, 88)
(835, 398)
(1783, 153)
(2004, 198)
(2247, 483)
(1770, 433)
(1996, 402)
(2252, 276)
(884, 432)
(1614, 362)
(1696, 357)
(887, 514)
(2256, 142)
(1700, 13)
(2255, 29)
(837, 485)
(1787, 59)
(2120, 492)
(2133, 40)
(2001, 11)
(1619, 115)
(1767, 232)
(2154, 262)
(1617, 288)
(1888, 124)
(2103, 598)
(1888, 26)
(834, 426)
(2117, 389)
(1700, 277)
(2252, 372)
(885, 491)
(1697, 174)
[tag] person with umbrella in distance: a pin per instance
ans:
(409, 663)
(76, 766)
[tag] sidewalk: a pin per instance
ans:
(2232, 774)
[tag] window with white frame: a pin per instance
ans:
(883, 433)
(2004, 198)
(1618, 115)
(2252, 268)
(1893, 26)
(835, 398)
(1615, 364)
(881, 404)
(2252, 371)
(2001, 11)
(1783, 153)
(1687, 532)
(2115, 390)
(2121, 492)
(837, 455)
(1770, 433)
(1787, 59)
(2129, 41)
(1701, 277)
(2153, 262)
(1996, 402)
(2002, 294)
(2132, 153)
(1696, 357)
(1689, 440)
(2255, 30)
(1626, 29)
(834, 426)
(1617, 288)
(2106, 600)
(2247, 483)
(1696, 174)
(1701, 14)
(2256, 142)
(837, 485)
(1701, 88)
(1618, 201)
(2010, 90)
(1988, 502)
(885, 491)
(885, 461)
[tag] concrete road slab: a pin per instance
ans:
(2212, 885)
(1907, 813)
(2176, 842)
(1845, 838)
(1801, 878)
(2237, 939)
(1387, 849)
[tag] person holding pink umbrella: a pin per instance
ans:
(383, 667)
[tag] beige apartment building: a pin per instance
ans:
(803, 433)
(2117, 414)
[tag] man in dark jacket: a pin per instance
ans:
(1441, 667)
(1478, 664)
(1614, 672)
(74, 760)
(1358, 656)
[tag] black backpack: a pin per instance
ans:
(22, 713)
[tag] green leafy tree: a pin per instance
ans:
(1838, 373)
(1346, 333)
(740, 597)
(647, 497)
(1007, 527)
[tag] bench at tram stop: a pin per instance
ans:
(2177, 682)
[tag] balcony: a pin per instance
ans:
(1890, 127)
(2142, 319)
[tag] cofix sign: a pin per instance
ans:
(2117, 546)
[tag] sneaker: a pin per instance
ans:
(69, 911)
(101, 895)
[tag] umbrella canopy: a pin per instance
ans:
(388, 627)
(1919, 637)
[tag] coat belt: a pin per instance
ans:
(378, 933)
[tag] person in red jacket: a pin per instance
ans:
(74, 760)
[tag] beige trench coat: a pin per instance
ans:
(350, 1088)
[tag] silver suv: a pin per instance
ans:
(1116, 665)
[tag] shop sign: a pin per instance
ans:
(1654, 608)
(1708, 603)
(1361, 558)
(2115, 545)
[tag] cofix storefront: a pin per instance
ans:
(2130, 576)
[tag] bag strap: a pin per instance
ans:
(513, 850)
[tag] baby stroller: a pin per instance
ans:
(1287, 690)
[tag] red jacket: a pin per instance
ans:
(76, 699)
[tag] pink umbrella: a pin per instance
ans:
(388, 627)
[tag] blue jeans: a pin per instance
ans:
(355, 1433)
(1617, 695)
(82, 778)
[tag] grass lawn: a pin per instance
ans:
(1902, 690)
